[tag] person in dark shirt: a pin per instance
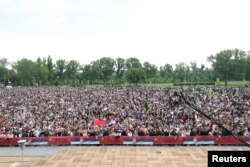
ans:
(141, 133)
(193, 132)
(203, 132)
(106, 133)
(166, 133)
(173, 132)
(46, 133)
(151, 132)
(124, 133)
(92, 133)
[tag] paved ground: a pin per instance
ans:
(30, 151)
(12, 156)
(106, 156)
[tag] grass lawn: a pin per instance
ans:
(162, 85)
(229, 84)
(235, 83)
(159, 85)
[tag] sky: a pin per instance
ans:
(157, 31)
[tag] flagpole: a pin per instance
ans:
(93, 122)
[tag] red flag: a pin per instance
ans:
(99, 122)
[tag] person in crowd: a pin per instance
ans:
(129, 111)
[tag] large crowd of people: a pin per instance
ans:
(134, 111)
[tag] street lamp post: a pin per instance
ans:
(21, 144)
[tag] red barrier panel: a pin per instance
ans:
(9, 141)
(226, 140)
(59, 140)
(202, 138)
(90, 137)
(149, 138)
(38, 139)
(111, 140)
(127, 138)
(119, 140)
(168, 140)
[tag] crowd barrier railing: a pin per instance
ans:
(8, 141)
(159, 140)
(126, 140)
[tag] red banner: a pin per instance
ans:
(226, 140)
(59, 140)
(111, 140)
(9, 141)
(119, 140)
(168, 140)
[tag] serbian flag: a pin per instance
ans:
(110, 122)
(99, 122)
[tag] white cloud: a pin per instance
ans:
(46, 5)
(94, 20)
(4, 1)
(50, 18)
(160, 31)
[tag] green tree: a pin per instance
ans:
(166, 72)
(248, 68)
(194, 72)
(119, 67)
(26, 71)
(208, 75)
(221, 64)
(50, 67)
(135, 75)
(3, 62)
(107, 67)
(42, 72)
(13, 77)
(71, 69)
(238, 65)
(60, 68)
(203, 76)
(150, 69)
(96, 71)
(133, 62)
(3, 71)
(181, 72)
(229, 64)
(87, 73)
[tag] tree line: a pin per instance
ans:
(230, 64)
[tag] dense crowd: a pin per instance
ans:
(70, 111)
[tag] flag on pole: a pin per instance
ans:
(237, 92)
(99, 122)
(210, 92)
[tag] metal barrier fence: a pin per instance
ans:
(125, 140)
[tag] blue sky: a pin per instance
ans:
(158, 31)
